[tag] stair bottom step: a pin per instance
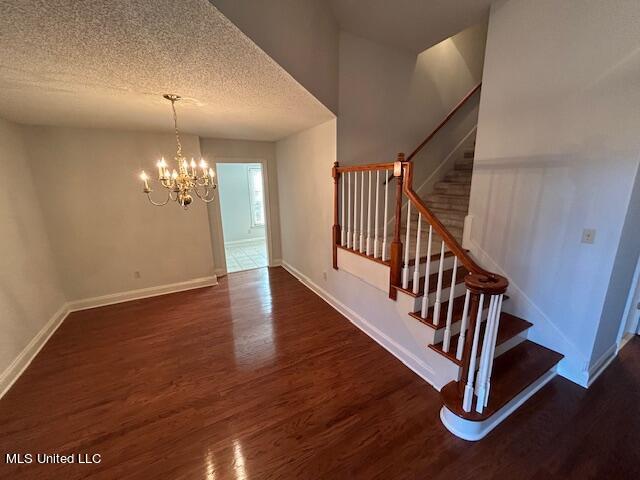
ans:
(513, 372)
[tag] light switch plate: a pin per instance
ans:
(588, 235)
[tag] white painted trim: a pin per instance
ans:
(218, 234)
(603, 362)
(414, 363)
(474, 431)
(277, 262)
(247, 240)
(9, 376)
(630, 322)
(28, 353)
(120, 297)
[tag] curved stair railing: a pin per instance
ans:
(361, 210)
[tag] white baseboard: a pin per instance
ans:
(120, 297)
(414, 363)
(245, 241)
(601, 365)
(276, 262)
(9, 376)
(26, 356)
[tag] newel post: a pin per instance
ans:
(336, 221)
(396, 245)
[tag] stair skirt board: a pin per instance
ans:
(474, 431)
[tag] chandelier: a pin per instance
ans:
(180, 184)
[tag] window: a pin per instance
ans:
(256, 197)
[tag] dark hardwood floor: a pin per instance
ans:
(259, 378)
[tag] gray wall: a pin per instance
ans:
(30, 288)
(301, 35)
(391, 99)
(557, 152)
(234, 202)
(102, 227)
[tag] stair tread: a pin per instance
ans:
(510, 326)
(433, 279)
(512, 373)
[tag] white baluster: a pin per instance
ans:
(463, 326)
(493, 349)
(416, 265)
(407, 240)
(355, 211)
(349, 211)
(468, 388)
(447, 329)
(362, 213)
(481, 376)
(384, 223)
(369, 217)
(425, 298)
(438, 301)
(377, 213)
(342, 232)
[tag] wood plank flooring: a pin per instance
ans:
(259, 378)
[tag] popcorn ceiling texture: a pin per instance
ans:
(107, 63)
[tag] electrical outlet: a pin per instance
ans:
(136, 274)
(588, 235)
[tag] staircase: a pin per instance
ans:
(460, 309)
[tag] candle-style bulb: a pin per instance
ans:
(212, 174)
(193, 163)
(203, 164)
(143, 176)
(174, 174)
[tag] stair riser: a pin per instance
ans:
(452, 189)
(407, 303)
(455, 326)
(462, 176)
(434, 264)
(454, 207)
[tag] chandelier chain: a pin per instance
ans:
(175, 124)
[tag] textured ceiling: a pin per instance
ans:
(106, 64)
(413, 25)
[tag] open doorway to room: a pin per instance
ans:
(242, 208)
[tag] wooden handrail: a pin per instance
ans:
(366, 168)
(437, 225)
(444, 121)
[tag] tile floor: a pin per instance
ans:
(246, 255)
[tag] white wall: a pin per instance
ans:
(300, 35)
(235, 204)
(242, 151)
(101, 226)
(306, 204)
(557, 151)
(391, 99)
(30, 289)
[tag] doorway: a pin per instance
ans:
(242, 208)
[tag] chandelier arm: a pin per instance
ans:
(205, 196)
(158, 204)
